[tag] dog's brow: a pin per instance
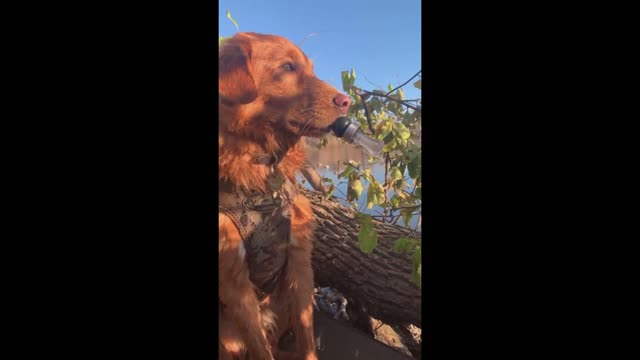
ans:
(294, 54)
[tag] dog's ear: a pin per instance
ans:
(235, 82)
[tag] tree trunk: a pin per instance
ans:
(380, 281)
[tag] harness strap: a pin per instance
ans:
(265, 231)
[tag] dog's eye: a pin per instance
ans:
(288, 67)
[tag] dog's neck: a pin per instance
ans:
(239, 159)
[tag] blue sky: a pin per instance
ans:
(380, 39)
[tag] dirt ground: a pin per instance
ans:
(336, 340)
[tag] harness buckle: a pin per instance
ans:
(261, 203)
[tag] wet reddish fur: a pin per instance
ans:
(257, 100)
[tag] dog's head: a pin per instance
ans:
(266, 84)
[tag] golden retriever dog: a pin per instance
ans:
(269, 99)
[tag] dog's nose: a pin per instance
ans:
(343, 101)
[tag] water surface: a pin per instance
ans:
(329, 161)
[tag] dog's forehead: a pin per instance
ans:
(274, 46)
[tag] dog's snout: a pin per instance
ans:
(343, 101)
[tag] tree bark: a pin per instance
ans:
(380, 281)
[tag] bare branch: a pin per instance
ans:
(369, 81)
(311, 174)
(406, 207)
(406, 82)
(366, 112)
(306, 37)
(401, 102)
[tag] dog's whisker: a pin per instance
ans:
(306, 126)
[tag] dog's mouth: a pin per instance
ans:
(305, 129)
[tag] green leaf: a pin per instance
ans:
(404, 244)
(347, 171)
(329, 193)
(388, 147)
(401, 94)
(367, 237)
(403, 168)
(372, 197)
(353, 75)
(402, 131)
(346, 80)
(389, 138)
(398, 184)
(386, 130)
(232, 20)
(417, 267)
(408, 118)
(395, 201)
(407, 214)
(366, 174)
(375, 105)
(375, 195)
(418, 84)
(396, 174)
(357, 188)
(415, 166)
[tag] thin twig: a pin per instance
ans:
(401, 102)
(418, 73)
(406, 207)
(366, 112)
(415, 186)
(387, 160)
(369, 81)
(337, 188)
(306, 37)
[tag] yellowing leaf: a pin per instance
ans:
(346, 81)
(375, 195)
(401, 131)
(407, 214)
(396, 174)
(356, 186)
(389, 146)
(401, 94)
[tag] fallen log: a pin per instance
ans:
(380, 281)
